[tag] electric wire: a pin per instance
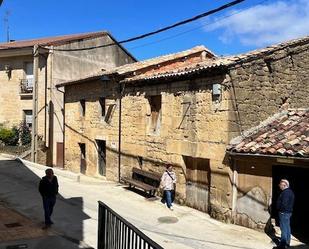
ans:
(196, 28)
(210, 12)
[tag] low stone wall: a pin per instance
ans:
(14, 150)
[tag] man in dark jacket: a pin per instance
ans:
(285, 205)
(48, 189)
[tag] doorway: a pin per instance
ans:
(83, 164)
(297, 177)
(101, 148)
(197, 182)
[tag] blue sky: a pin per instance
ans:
(253, 24)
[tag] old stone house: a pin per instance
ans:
(184, 109)
(55, 65)
(276, 149)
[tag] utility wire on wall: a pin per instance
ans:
(210, 12)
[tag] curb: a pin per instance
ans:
(60, 172)
(8, 156)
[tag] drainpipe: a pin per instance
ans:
(34, 138)
(234, 189)
(121, 90)
(45, 98)
(63, 126)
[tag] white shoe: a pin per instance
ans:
(171, 208)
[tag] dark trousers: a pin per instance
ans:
(48, 205)
(284, 220)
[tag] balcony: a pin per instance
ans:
(26, 86)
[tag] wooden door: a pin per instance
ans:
(59, 155)
(197, 183)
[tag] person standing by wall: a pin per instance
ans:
(285, 205)
(48, 189)
(168, 183)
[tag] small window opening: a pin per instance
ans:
(155, 107)
(82, 107)
(102, 102)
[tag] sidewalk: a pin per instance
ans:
(19, 231)
(14, 226)
(75, 214)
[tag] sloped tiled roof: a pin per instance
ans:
(55, 40)
(186, 69)
(219, 62)
(133, 67)
(284, 134)
(182, 70)
(160, 59)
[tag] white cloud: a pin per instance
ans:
(265, 24)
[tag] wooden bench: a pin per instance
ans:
(146, 180)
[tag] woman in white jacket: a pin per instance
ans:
(168, 183)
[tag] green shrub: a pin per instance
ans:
(9, 136)
(25, 134)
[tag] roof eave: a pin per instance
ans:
(232, 153)
(199, 72)
(13, 52)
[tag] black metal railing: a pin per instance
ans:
(114, 232)
(26, 86)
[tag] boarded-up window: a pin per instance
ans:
(82, 104)
(197, 182)
(109, 113)
(155, 108)
(102, 103)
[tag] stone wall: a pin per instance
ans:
(189, 126)
(266, 84)
(12, 102)
(78, 64)
(192, 123)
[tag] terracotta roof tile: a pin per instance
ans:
(284, 134)
(132, 68)
(186, 69)
(219, 61)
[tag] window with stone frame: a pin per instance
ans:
(82, 105)
(155, 103)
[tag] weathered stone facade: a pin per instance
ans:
(267, 83)
(176, 137)
(12, 104)
(55, 66)
(194, 126)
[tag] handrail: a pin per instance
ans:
(115, 232)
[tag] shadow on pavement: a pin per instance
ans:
(19, 189)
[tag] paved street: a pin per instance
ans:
(75, 214)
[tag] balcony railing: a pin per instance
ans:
(26, 86)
